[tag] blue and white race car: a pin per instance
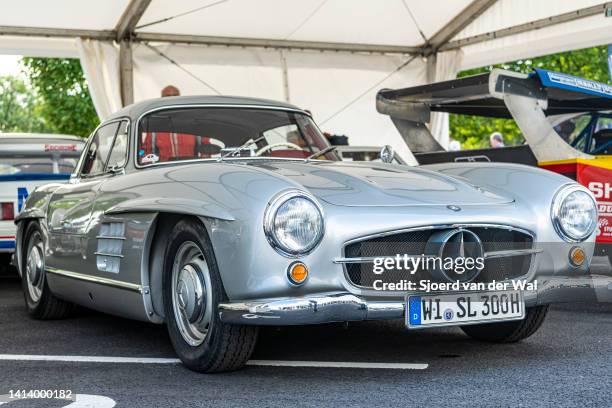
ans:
(27, 161)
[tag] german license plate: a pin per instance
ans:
(463, 308)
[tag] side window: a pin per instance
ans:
(573, 131)
(99, 148)
(602, 136)
(604, 122)
(118, 155)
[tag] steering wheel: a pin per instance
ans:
(275, 145)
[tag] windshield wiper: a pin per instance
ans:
(233, 152)
(320, 153)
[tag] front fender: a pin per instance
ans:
(172, 205)
(35, 208)
(531, 186)
(36, 204)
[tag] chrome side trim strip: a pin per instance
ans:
(511, 252)
(95, 279)
(440, 226)
(487, 255)
(107, 254)
(370, 259)
(108, 237)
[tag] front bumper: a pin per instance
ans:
(342, 306)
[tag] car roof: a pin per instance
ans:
(26, 137)
(135, 110)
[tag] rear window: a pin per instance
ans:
(43, 157)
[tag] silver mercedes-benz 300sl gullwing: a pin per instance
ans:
(216, 215)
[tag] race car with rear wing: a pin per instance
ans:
(566, 122)
(26, 162)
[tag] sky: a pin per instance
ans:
(9, 65)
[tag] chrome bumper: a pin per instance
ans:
(324, 308)
(342, 307)
(587, 288)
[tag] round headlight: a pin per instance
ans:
(574, 213)
(293, 223)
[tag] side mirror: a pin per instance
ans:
(387, 154)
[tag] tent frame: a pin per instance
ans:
(124, 34)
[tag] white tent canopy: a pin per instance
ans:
(328, 56)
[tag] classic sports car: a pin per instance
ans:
(216, 215)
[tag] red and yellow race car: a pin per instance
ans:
(566, 122)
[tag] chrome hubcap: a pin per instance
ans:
(191, 291)
(35, 269)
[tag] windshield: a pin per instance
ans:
(206, 133)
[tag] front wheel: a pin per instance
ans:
(41, 303)
(509, 332)
(192, 292)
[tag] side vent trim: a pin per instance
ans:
(110, 247)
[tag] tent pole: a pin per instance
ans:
(124, 32)
(126, 72)
(474, 10)
(530, 26)
(430, 68)
(285, 76)
(130, 17)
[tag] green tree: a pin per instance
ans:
(473, 132)
(65, 103)
(19, 110)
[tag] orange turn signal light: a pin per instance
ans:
(577, 256)
(297, 273)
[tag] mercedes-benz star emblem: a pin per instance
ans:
(457, 244)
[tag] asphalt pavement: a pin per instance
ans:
(568, 363)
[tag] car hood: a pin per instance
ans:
(367, 184)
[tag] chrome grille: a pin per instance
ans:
(494, 239)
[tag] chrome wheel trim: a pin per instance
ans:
(35, 268)
(191, 293)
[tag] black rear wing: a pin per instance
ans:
(526, 98)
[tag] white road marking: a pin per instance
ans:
(338, 364)
(79, 401)
(92, 401)
(89, 359)
(268, 363)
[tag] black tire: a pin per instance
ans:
(47, 306)
(509, 332)
(225, 347)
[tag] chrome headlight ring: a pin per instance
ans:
(300, 226)
(560, 213)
